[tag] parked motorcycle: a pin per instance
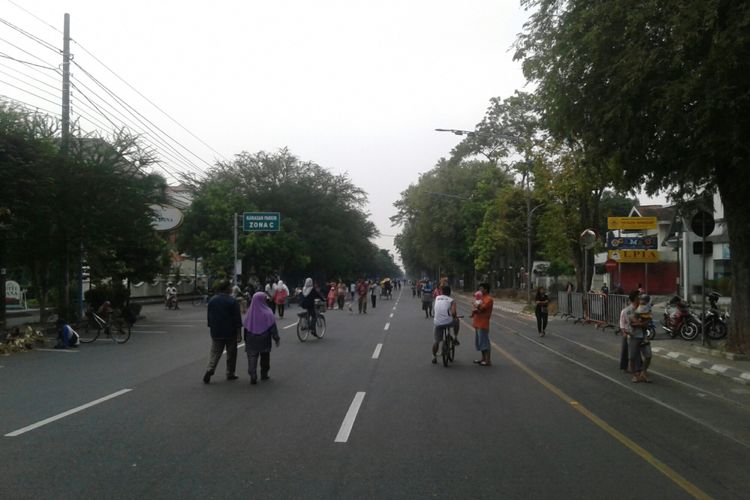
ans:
(716, 321)
(679, 321)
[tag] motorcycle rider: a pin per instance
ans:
(171, 296)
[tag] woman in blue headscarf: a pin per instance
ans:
(260, 329)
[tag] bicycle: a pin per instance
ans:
(449, 341)
(116, 328)
(303, 324)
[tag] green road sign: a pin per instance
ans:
(253, 222)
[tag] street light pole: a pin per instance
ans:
(528, 252)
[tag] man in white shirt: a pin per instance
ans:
(445, 315)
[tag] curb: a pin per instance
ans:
(706, 366)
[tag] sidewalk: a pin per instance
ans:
(691, 354)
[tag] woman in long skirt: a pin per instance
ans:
(260, 329)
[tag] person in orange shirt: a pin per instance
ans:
(481, 314)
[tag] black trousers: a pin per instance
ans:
(374, 298)
(541, 321)
(281, 310)
(252, 363)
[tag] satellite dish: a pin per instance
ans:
(588, 239)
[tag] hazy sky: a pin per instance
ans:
(356, 86)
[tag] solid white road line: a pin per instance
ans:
(289, 326)
(387, 326)
(148, 331)
(351, 415)
(376, 354)
(66, 413)
(57, 350)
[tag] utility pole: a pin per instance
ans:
(66, 86)
(65, 145)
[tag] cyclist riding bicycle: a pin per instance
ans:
(445, 317)
(307, 301)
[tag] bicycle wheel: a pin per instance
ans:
(302, 330)
(120, 333)
(446, 350)
(88, 332)
(452, 350)
(197, 301)
(320, 327)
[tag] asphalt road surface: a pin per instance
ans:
(363, 413)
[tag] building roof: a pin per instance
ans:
(662, 213)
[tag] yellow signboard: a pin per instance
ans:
(631, 223)
(634, 256)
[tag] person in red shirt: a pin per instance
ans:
(481, 315)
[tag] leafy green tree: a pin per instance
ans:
(324, 233)
(659, 89)
(94, 199)
(440, 216)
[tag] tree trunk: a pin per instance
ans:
(734, 199)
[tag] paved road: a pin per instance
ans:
(553, 418)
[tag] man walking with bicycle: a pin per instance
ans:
(445, 317)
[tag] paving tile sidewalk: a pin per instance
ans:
(691, 354)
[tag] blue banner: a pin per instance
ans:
(631, 242)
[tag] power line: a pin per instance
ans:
(147, 99)
(35, 16)
(26, 91)
(128, 107)
(6, 56)
(29, 84)
(56, 87)
(27, 52)
(27, 106)
(124, 120)
(25, 33)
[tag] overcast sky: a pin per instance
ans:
(356, 86)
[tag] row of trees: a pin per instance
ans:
(90, 199)
(58, 206)
(325, 232)
(471, 214)
(628, 95)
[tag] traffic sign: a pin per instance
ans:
(631, 223)
(702, 223)
(254, 222)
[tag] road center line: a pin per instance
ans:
(66, 413)
(289, 326)
(387, 326)
(351, 415)
(376, 354)
(391, 315)
(670, 473)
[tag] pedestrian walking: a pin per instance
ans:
(270, 291)
(353, 289)
(260, 330)
(341, 298)
(331, 296)
(374, 290)
(362, 288)
(633, 366)
(481, 315)
(427, 299)
(225, 324)
(279, 297)
(541, 310)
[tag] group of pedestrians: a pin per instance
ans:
(227, 329)
(445, 316)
